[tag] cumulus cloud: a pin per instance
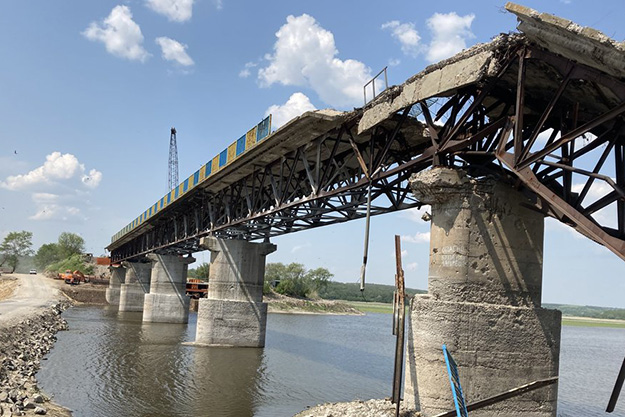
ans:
(57, 168)
(174, 10)
(120, 35)
(407, 36)
(449, 34)
(173, 50)
(305, 55)
(412, 266)
(296, 105)
(419, 237)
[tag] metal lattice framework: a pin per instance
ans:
(547, 125)
(172, 172)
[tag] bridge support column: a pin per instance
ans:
(234, 314)
(118, 274)
(137, 284)
(167, 301)
(485, 281)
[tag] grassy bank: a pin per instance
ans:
(386, 308)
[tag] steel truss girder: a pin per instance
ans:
(320, 183)
(488, 128)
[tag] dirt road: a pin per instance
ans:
(33, 293)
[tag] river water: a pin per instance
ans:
(111, 364)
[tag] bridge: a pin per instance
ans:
(494, 139)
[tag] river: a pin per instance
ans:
(111, 364)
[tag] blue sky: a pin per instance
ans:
(89, 91)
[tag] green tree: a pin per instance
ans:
(295, 280)
(15, 244)
(70, 244)
(47, 254)
(201, 272)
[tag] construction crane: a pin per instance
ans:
(172, 179)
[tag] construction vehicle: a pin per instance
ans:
(196, 288)
(73, 278)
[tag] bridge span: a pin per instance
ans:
(494, 139)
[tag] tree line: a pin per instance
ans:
(65, 253)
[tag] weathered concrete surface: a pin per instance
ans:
(167, 301)
(234, 314)
(562, 36)
(484, 299)
(137, 284)
(118, 275)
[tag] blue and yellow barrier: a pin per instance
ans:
(221, 160)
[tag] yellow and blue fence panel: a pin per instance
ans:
(221, 160)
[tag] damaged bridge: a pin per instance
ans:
(531, 124)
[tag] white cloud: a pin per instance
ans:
(416, 214)
(407, 36)
(173, 50)
(174, 10)
(92, 180)
(394, 62)
(45, 198)
(57, 168)
(120, 35)
(298, 248)
(449, 34)
(305, 55)
(296, 105)
(419, 237)
(412, 266)
(246, 72)
(56, 212)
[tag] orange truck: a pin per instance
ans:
(73, 278)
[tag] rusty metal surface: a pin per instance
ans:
(399, 311)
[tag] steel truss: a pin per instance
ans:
(320, 183)
(561, 141)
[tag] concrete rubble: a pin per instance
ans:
(22, 347)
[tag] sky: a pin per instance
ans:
(89, 91)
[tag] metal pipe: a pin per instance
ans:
(617, 389)
(363, 269)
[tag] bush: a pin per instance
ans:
(73, 263)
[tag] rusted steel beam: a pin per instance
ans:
(607, 116)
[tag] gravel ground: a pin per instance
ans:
(370, 408)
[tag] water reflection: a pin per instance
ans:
(224, 381)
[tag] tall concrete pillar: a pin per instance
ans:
(167, 301)
(483, 301)
(118, 274)
(234, 314)
(137, 284)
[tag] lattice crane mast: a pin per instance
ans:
(172, 179)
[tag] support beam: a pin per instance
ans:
(136, 285)
(167, 301)
(234, 314)
(118, 274)
(484, 298)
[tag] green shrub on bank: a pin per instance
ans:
(295, 280)
(73, 263)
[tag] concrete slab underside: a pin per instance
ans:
(484, 297)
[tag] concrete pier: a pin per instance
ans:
(234, 314)
(485, 280)
(167, 301)
(118, 274)
(137, 284)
